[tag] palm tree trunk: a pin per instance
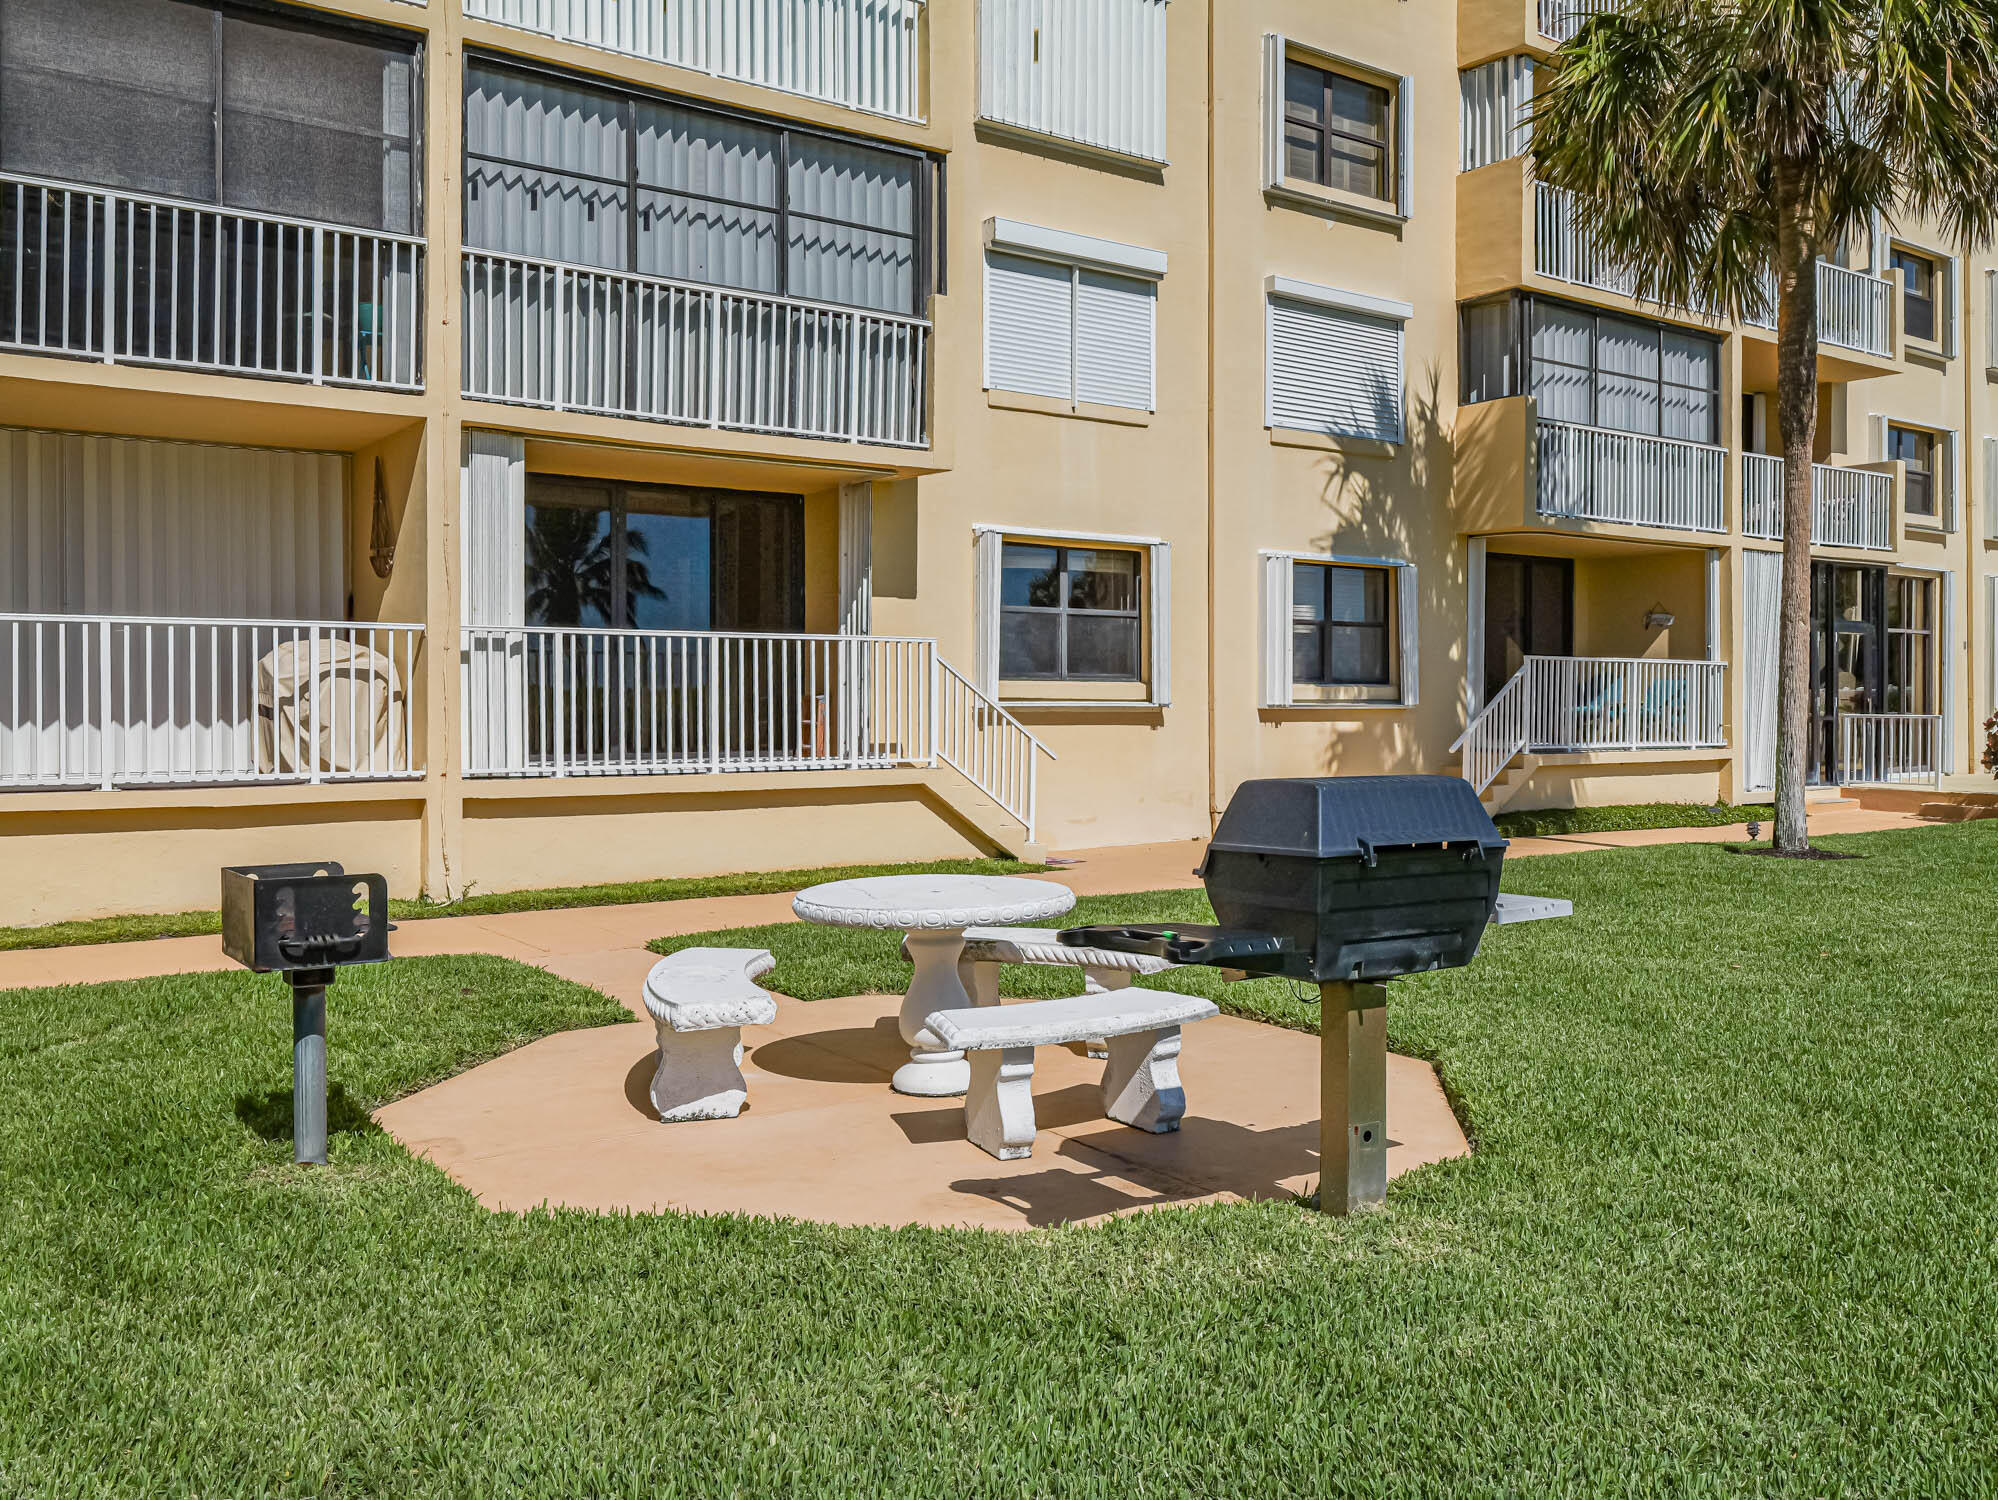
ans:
(1797, 426)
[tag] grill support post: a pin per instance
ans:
(1352, 1096)
(308, 1064)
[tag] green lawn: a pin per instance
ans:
(1728, 1231)
(485, 903)
(1551, 820)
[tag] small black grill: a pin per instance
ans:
(306, 922)
(1344, 881)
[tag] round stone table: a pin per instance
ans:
(933, 910)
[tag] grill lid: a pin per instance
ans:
(1348, 817)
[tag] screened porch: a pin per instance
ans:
(208, 188)
(175, 614)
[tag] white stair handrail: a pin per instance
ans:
(1496, 734)
(977, 738)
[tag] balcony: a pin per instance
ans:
(1628, 478)
(1559, 20)
(614, 343)
(1584, 704)
(1855, 308)
(549, 701)
(862, 54)
(109, 701)
(124, 278)
(1093, 75)
(1849, 507)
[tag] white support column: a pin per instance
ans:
(856, 558)
(1713, 603)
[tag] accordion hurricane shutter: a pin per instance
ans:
(1028, 326)
(1334, 371)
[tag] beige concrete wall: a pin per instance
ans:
(1615, 785)
(1355, 498)
(588, 837)
(133, 854)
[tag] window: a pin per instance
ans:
(1919, 284)
(1910, 645)
(1916, 450)
(1593, 369)
(1068, 613)
(213, 104)
(1334, 361)
(662, 557)
(1099, 81)
(1335, 130)
(1067, 329)
(1066, 618)
(1339, 624)
(576, 173)
(1337, 630)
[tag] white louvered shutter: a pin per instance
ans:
(1158, 593)
(1952, 340)
(1948, 478)
(1029, 326)
(1273, 55)
(1404, 147)
(1334, 371)
(1409, 601)
(1114, 321)
(1991, 488)
(1946, 675)
(986, 553)
(1276, 653)
(1761, 609)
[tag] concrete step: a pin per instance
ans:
(1957, 812)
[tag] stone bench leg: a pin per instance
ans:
(1102, 982)
(1141, 1080)
(999, 1105)
(980, 978)
(699, 1075)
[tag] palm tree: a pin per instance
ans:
(1717, 148)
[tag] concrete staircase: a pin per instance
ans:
(1510, 783)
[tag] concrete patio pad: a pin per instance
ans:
(565, 1121)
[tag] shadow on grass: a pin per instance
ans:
(269, 1113)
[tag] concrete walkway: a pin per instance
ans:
(604, 946)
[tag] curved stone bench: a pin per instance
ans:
(1103, 969)
(701, 998)
(1141, 1085)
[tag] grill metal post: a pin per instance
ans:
(1352, 1096)
(308, 1064)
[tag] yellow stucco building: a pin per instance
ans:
(511, 443)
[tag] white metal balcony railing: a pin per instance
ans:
(1854, 307)
(122, 277)
(558, 701)
(1557, 704)
(1094, 74)
(1602, 474)
(111, 700)
(864, 54)
(1849, 507)
(1561, 19)
(543, 333)
(1884, 749)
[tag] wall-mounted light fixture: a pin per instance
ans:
(1660, 618)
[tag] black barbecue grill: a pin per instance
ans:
(305, 921)
(1343, 881)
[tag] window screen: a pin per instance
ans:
(190, 101)
(593, 176)
(1339, 625)
(1068, 612)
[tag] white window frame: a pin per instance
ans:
(1277, 603)
(1948, 296)
(1397, 209)
(1154, 612)
(1948, 471)
(1075, 253)
(1289, 289)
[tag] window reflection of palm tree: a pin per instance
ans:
(569, 568)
